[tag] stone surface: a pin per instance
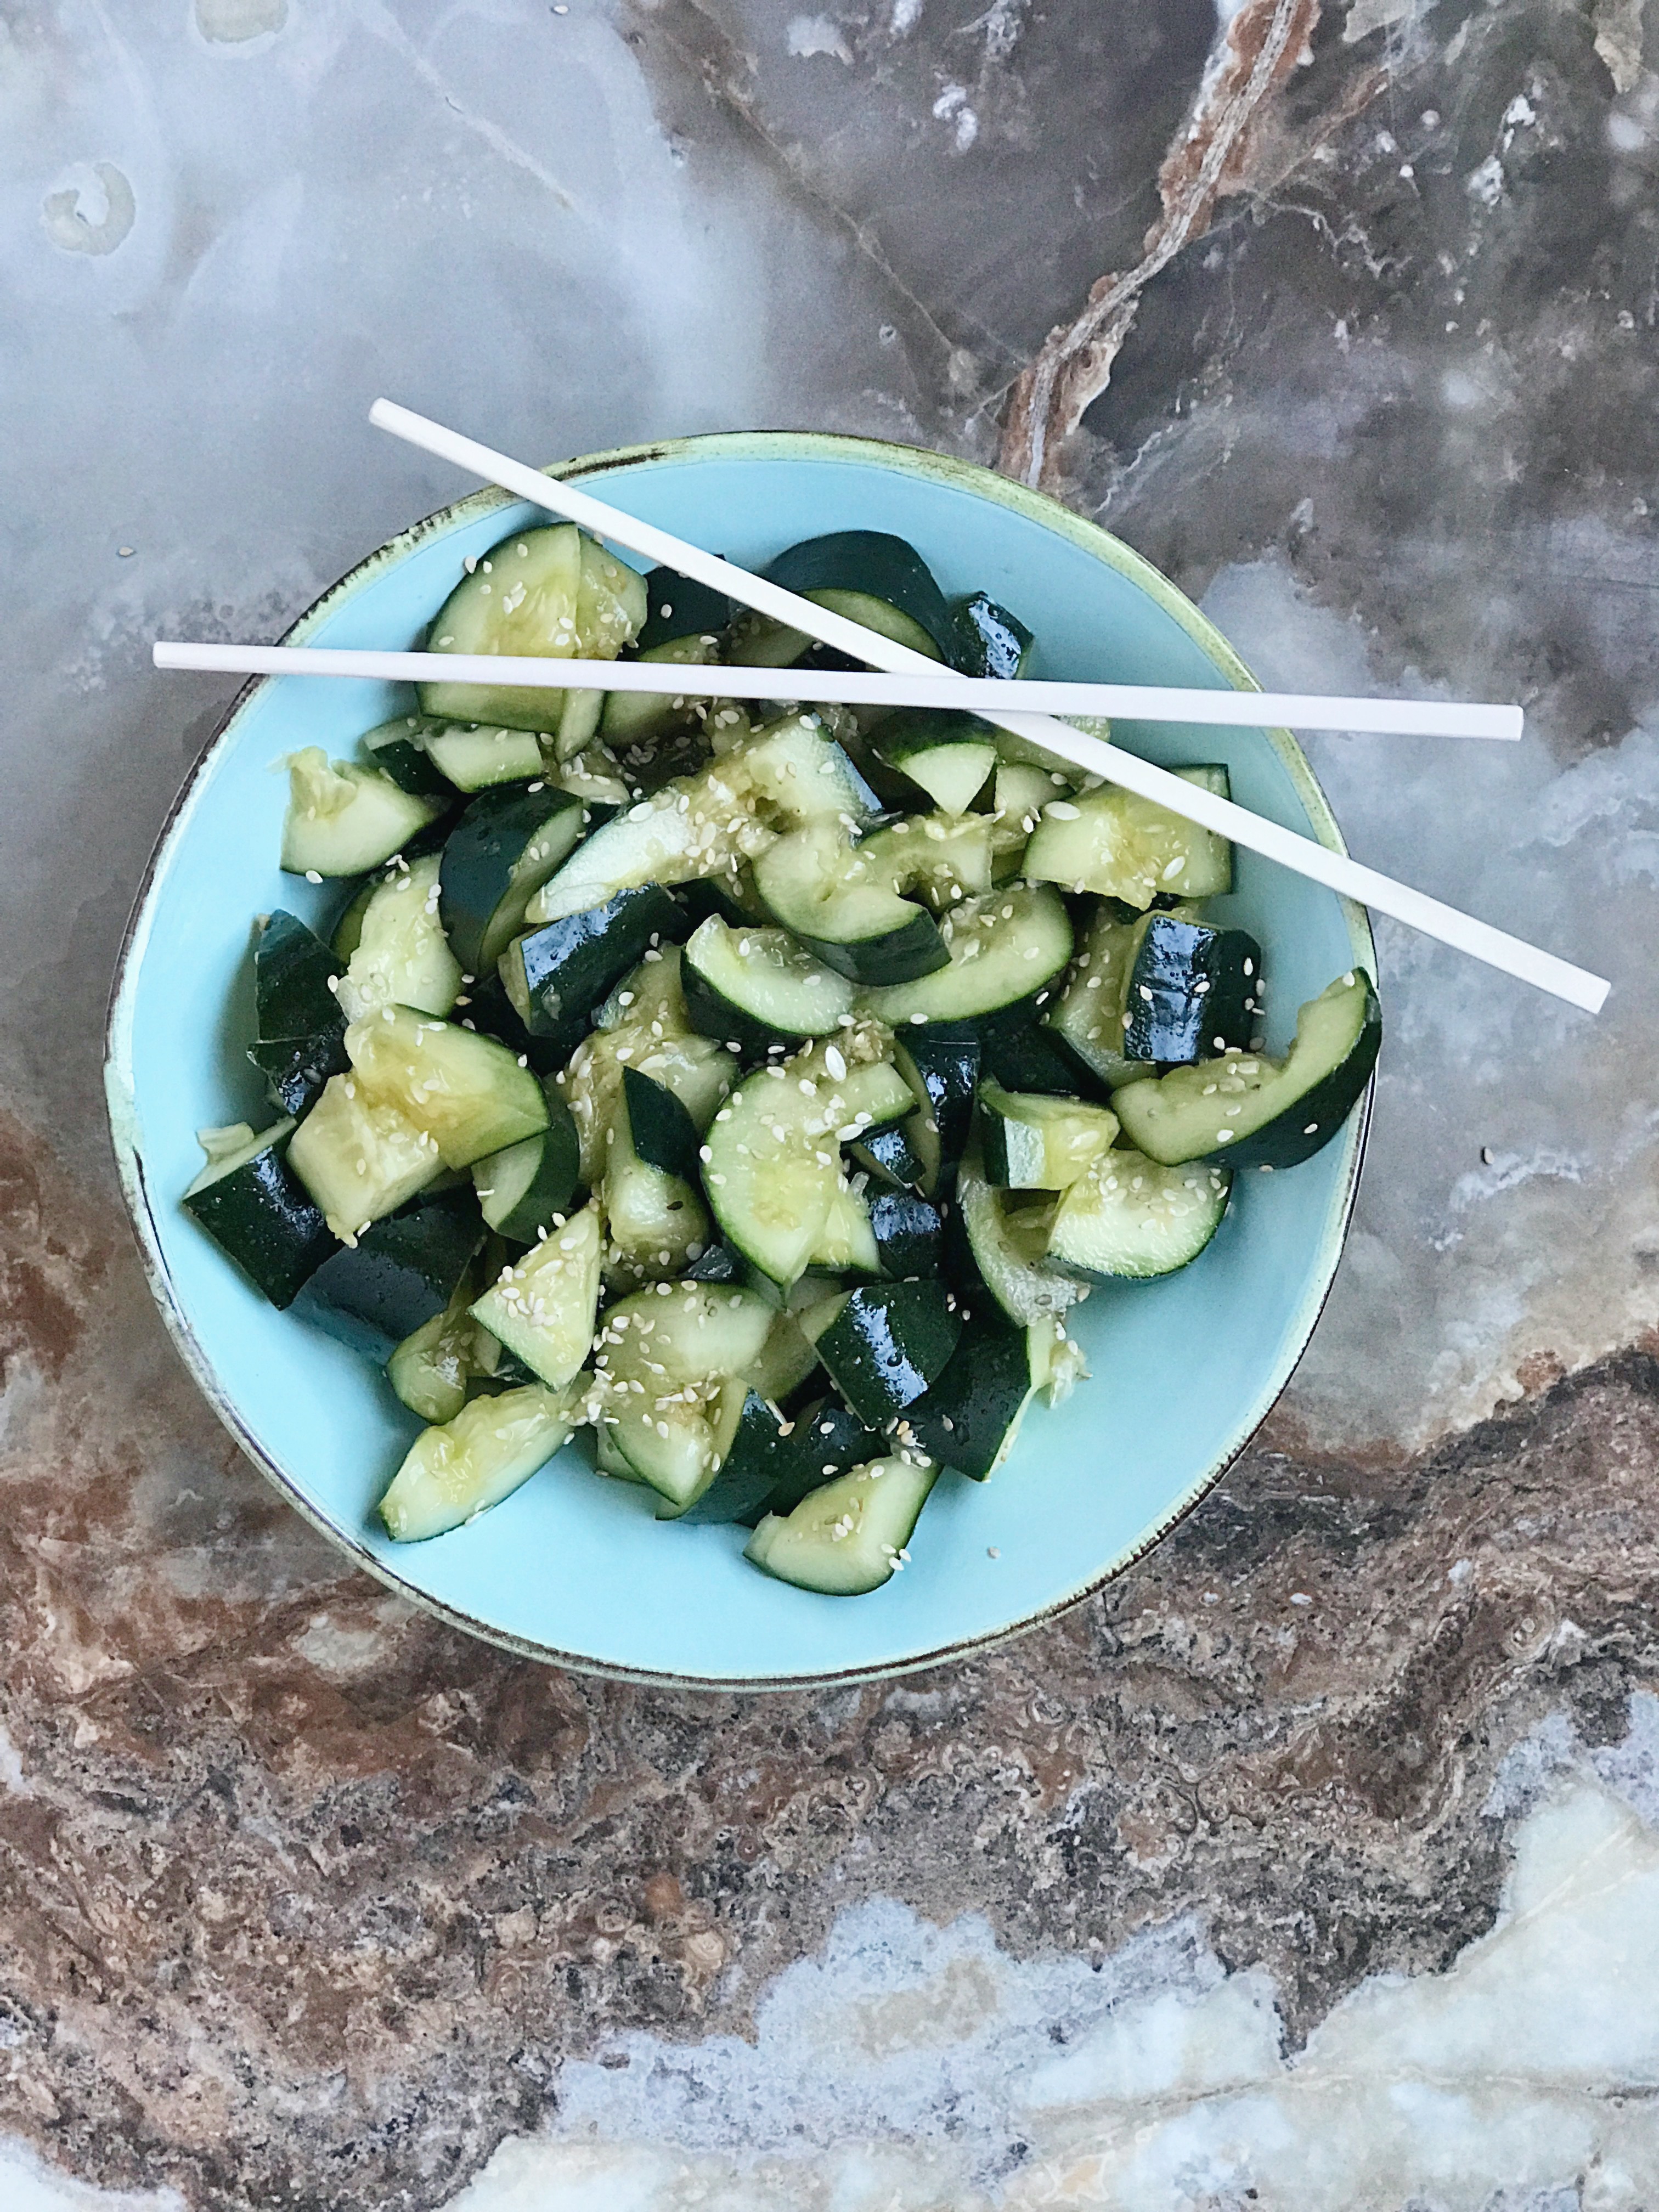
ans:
(307, 1901)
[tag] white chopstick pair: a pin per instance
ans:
(910, 678)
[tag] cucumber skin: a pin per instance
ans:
(909, 1233)
(886, 1346)
(479, 855)
(571, 964)
(1172, 1022)
(758, 1458)
(297, 1069)
(676, 607)
(993, 642)
(663, 1135)
(292, 969)
(403, 1270)
(262, 1217)
(899, 956)
(941, 1062)
(556, 1182)
(965, 1418)
(711, 1014)
(879, 564)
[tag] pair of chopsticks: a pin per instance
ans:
(907, 678)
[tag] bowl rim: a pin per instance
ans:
(790, 445)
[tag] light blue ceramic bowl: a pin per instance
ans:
(574, 1568)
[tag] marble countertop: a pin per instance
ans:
(1313, 1864)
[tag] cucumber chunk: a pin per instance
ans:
(359, 1156)
(757, 1458)
(1127, 1216)
(1033, 1143)
(945, 857)
(431, 1370)
(654, 1212)
(542, 1308)
(455, 1472)
(256, 1212)
(1129, 848)
(400, 1272)
(842, 907)
(940, 1061)
(398, 749)
(294, 977)
(496, 859)
(908, 1233)
(467, 1095)
(342, 820)
(474, 756)
(869, 575)
(1007, 1246)
(847, 1538)
(786, 1359)
(1001, 949)
(947, 755)
(663, 1135)
(847, 1242)
(687, 1346)
(774, 1165)
(993, 642)
(971, 1417)
(1021, 1053)
(296, 1069)
(1194, 992)
(1262, 1112)
(886, 1345)
(521, 1187)
(555, 974)
(758, 989)
(1087, 1015)
(652, 1033)
(893, 1157)
(709, 825)
(549, 591)
(403, 957)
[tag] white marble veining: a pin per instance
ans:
(909, 2068)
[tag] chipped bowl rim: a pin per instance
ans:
(969, 477)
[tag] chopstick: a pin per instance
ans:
(1304, 855)
(940, 687)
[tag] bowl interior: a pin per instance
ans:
(573, 1566)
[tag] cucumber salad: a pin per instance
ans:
(752, 1091)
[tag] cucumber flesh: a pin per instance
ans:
(1001, 949)
(1130, 848)
(842, 907)
(949, 756)
(257, 1212)
(636, 718)
(686, 1344)
(542, 1307)
(403, 956)
(709, 825)
(1007, 1244)
(431, 1369)
(548, 591)
(1129, 1217)
(1038, 1143)
(870, 576)
(642, 1025)
(847, 1242)
(850, 1536)
(774, 1165)
(1262, 1112)
(454, 1472)
(344, 820)
(474, 756)
(657, 1221)
(756, 988)
(945, 857)
(398, 749)
(359, 1156)
(466, 1094)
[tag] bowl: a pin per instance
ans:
(573, 1568)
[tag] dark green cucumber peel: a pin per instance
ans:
(556, 974)
(897, 956)
(890, 1156)
(490, 842)
(877, 563)
(489, 1009)
(909, 1232)
(887, 1343)
(825, 1441)
(676, 607)
(263, 1218)
(398, 749)
(520, 1189)
(293, 971)
(760, 1458)
(966, 1418)
(991, 641)
(1021, 1053)
(1194, 992)
(296, 1069)
(719, 1264)
(665, 1135)
(905, 740)
(941, 1062)
(402, 1270)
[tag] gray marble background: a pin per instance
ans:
(1373, 378)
